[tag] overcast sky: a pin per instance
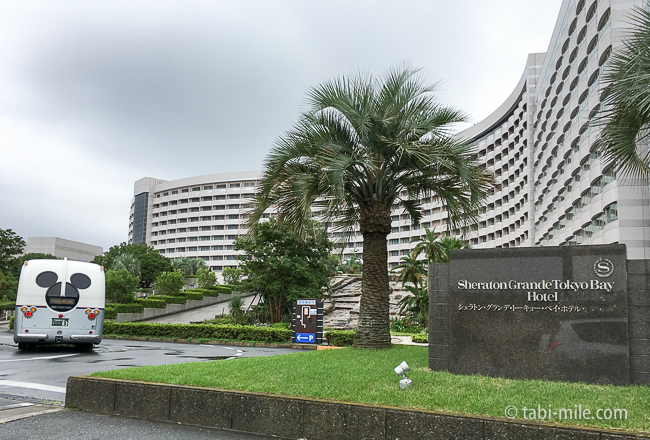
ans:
(95, 95)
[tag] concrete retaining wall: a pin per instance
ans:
(295, 418)
(170, 309)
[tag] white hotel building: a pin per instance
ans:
(553, 190)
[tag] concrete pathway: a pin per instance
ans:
(405, 340)
(201, 314)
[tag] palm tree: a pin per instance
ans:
(429, 244)
(189, 266)
(127, 261)
(411, 270)
(416, 304)
(446, 244)
(625, 111)
(364, 145)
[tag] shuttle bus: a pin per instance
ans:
(59, 302)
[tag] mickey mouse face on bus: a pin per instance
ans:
(70, 298)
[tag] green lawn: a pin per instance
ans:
(368, 376)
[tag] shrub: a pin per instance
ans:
(405, 325)
(127, 308)
(206, 278)
(192, 295)
(169, 283)
(110, 313)
(224, 289)
(11, 322)
(199, 331)
(281, 325)
(151, 303)
(340, 338)
(169, 299)
(421, 338)
(120, 286)
(7, 305)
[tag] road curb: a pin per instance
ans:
(298, 417)
(213, 342)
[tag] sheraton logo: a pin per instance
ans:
(603, 268)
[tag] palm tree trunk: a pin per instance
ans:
(373, 330)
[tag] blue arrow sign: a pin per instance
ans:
(309, 338)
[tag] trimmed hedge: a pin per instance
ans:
(421, 338)
(11, 322)
(205, 292)
(199, 331)
(110, 313)
(340, 338)
(151, 303)
(7, 305)
(127, 308)
(169, 299)
(192, 295)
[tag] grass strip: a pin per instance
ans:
(367, 376)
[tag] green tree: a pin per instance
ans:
(189, 266)
(11, 245)
(17, 264)
(120, 286)
(8, 286)
(352, 265)
(282, 266)
(169, 283)
(152, 263)
(447, 244)
(232, 275)
(365, 145)
(625, 102)
(206, 278)
(411, 270)
(429, 245)
(127, 261)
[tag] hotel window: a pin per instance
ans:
(194, 209)
(231, 257)
(233, 196)
(191, 249)
(205, 228)
(170, 251)
(194, 219)
(217, 258)
(162, 241)
(184, 190)
(182, 229)
(235, 185)
(217, 228)
(194, 229)
(174, 192)
(219, 217)
(233, 226)
(394, 241)
(233, 206)
(231, 237)
(196, 188)
(205, 238)
(217, 248)
(220, 185)
(233, 216)
(206, 218)
(182, 240)
(207, 187)
(217, 237)
(204, 248)
(193, 238)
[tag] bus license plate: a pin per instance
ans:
(60, 322)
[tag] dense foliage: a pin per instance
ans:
(120, 286)
(151, 262)
(199, 331)
(282, 267)
(169, 283)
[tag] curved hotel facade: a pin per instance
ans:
(552, 188)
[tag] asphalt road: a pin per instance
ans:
(78, 425)
(42, 373)
(32, 389)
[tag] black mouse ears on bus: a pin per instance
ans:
(48, 279)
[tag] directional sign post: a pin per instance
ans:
(308, 321)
